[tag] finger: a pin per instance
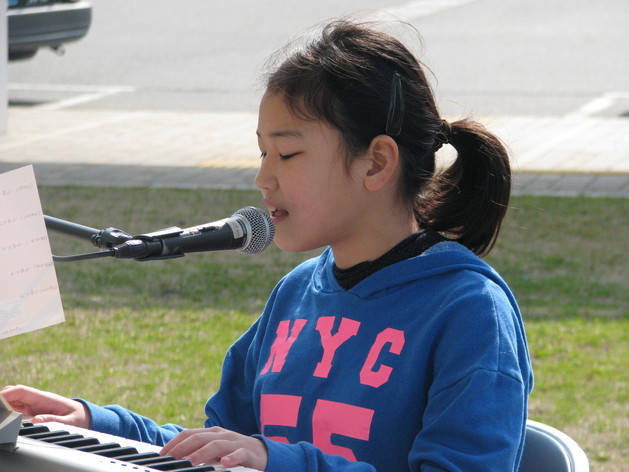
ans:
(253, 455)
(20, 396)
(170, 446)
(10, 393)
(238, 457)
(175, 443)
(46, 419)
(174, 446)
(15, 403)
(45, 406)
(210, 452)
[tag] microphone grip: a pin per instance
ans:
(137, 249)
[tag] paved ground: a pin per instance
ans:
(570, 155)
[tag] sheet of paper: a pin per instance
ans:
(29, 292)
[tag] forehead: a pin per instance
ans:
(277, 120)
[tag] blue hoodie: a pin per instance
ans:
(421, 366)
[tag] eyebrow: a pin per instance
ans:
(283, 134)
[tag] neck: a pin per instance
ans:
(412, 246)
(378, 237)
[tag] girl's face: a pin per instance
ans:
(313, 200)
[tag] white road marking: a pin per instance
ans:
(599, 104)
(574, 125)
(68, 131)
(87, 93)
(420, 8)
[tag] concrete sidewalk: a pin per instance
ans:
(569, 155)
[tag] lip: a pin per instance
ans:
(272, 208)
(278, 218)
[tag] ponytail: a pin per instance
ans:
(468, 201)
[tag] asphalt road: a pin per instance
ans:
(492, 57)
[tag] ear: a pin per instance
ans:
(384, 157)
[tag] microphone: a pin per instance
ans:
(249, 230)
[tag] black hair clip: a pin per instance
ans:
(396, 107)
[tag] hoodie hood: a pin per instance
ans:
(439, 260)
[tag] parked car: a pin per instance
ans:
(34, 24)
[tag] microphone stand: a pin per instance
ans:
(105, 238)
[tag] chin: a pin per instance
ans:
(290, 245)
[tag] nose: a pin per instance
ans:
(265, 178)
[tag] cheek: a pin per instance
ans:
(305, 197)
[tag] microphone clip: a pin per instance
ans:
(109, 237)
(147, 246)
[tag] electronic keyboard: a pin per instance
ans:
(56, 447)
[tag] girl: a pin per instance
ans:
(396, 349)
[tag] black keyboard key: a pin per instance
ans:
(49, 434)
(64, 437)
(79, 442)
(98, 447)
(173, 464)
(137, 457)
(149, 462)
(200, 468)
(117, 451)
(31, 428)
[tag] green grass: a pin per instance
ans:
(152, 335)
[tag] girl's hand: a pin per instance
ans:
(201, 446)
(45, 406)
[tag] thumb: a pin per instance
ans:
(46, 419)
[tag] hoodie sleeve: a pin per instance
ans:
(232, 406)
(470, 427)
(475, 416)
(118, 421)
(304, 456)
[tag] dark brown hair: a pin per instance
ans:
(367, 83)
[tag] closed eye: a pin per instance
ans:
(288, 156)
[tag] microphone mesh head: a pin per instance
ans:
(260, 228)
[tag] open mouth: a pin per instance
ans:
(278, 212)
